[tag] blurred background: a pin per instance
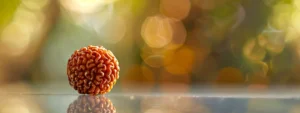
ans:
(162, 45)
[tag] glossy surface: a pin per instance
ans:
(148, 104)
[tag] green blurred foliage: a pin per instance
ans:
(7, 9)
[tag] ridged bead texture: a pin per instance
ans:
(93, 70)
(91, 104)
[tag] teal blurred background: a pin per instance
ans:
(163, 46)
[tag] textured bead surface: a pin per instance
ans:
(93, 70)
(91, 104)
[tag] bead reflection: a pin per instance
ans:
(91, 104)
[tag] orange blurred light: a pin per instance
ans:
(257, 87)
(138, 78)
(230, 76)
(178, 9)
(179, 35)
(181, 61)
(152, 57)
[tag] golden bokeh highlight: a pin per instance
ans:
(297, 4)
(230, 76)
(181, 61)
(137, 76)
(155, 57)
(179, 36)
(157, 31)
(253, 51)
(35, 4)
(154, 60)
(281, 16)
(152, 57)
(85, 6)
(28, 19)
(292, 35)
(24, 28)
(15, 39)
(178, 9)
(295, 21)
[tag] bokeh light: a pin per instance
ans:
(253, 51)
(141, 75)
(178, 9)
(281, 15)
(163, 46)
(35, 4)
(179, 35)
(157, 31)
(297, 4)
(9, 36)
(230, 76)
(181, 61)
(85, 6)
(294, 31)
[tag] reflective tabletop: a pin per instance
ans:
(149, 103)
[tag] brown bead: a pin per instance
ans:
(91, 104)
(93, 70)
